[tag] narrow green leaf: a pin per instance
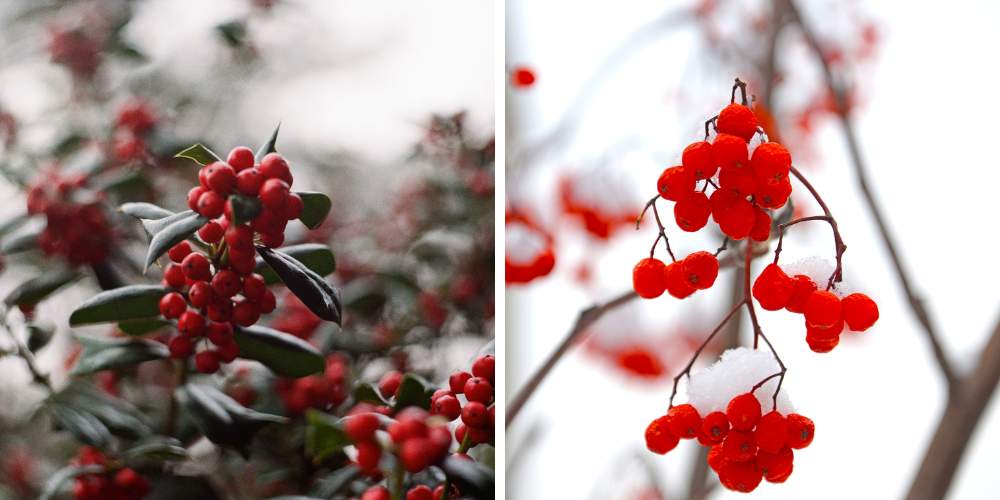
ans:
(221, 419)
(40, 334)
(119, 416)
(84, 426)
(318, 295)
(136, 327)
(315, 207)
(414, 391)
(120, 304)
(315, 256)
(171, 235)
(324, 436)
(245, 208)
(157, 448)
(270, 146)
(472, 478)
(284, 354)
(37, 288)
(105, 353)
(368, 392)
(13, 223)
(200, 154)
(21, 241)
(144, 210)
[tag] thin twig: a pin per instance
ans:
(694, 357)
(838, 241)
(659, 223)
(586, 318)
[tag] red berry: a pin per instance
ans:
(447, 406)
(193, 196)
(773, 288)
(676, 280)
(697, 159)
(716, 458)
(736, 220)
(800, 431)
(221, 178)
(293, 207)
(249, 181)
(701, 269)
(420, 492)
(474, 414)
(802, 287)
(776, 467)
(172, 305)
(207, 361)
(457, 381)
(484, 367)
(245, 313)
(522, 77)
(823, 309)
(824, 333)
(179, 251)
(376, 493)
(274, 193)
(675, 182)
(738, 180)
(228, 351)
(738, 120)
(369, 453)
(773, 195)
(478, 389)
(200, 294)
(180, 347)
(272, 240)
(739, 446)
(254, 287)
(211, 232)
(684, 421)
(743, 412)
(226, 283)
(740, 476)
(196, 267)
(771, 433)
(860, 311)
(389, 383)
(242, 261)
(219, 333)
(692, 211)
(761, 229)
(822, 340)
(659, 438)
(274, 166)
(361, 427)
(715, 426)
(266, 303)
(648, 279)
(191, 323)
(239, 237)
(173, 275)
(241, 158)
(211, 204)
(770, 162)
(729, 151)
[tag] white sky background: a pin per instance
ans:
(926, 130)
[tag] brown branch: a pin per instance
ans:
(694, 357)
(586, 318)
(861, 172)
(659, 224)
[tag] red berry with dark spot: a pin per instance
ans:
(219, 333)
(172, 305)
(240, 237)
(743, 412)
(249, 181)
(254, 287)
(474, 414)
(448, 407)
(776, 467)
(697, 159)
(196, 267)
(221, 178)
(484, 367)
(771, 162)
(743, 477)
(684, 421)
(478, 389)
(701, 269)
(200, 294)
(173, 275)
(675, 182)
(800, 431)
(191, 323)
(729, 151)
(211, 204)
(676, 280)
(659, 438)
(773, 195)
(226, 283)
(692, 211)
(715, 426)
(739, 446)
(457, 381)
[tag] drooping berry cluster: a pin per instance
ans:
(825, 312)
(121, 484)
(478, 414)
(269, 183)
(324, 391)
(76, 227)
(744, 446)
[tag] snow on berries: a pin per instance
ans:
(529, 251)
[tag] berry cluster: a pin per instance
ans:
(76, 227)
(326, 390)
(479, 412)
(123, 484)
(826, 313)
(269, 183)
(136, 118)
(681, 278)
(744, 446)
(529, 250)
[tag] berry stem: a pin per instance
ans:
(782, 227)
(838, 241)
(711, 121)
(659, 223)
(747, 297)
(722, 248)
(740, 84)
(694, 357)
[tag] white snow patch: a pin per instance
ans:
(523, 243)
(819, 270)
(736, 372)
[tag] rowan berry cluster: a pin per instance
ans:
(744, 446)
(122, 484)
(324, 391)
(826, 313)
(651, 277)
(269, 183)
(136, 118)
(76, 227)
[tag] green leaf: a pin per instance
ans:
(136, 327)
(200, 154)
(21, 241)
(368, 392)
(221, 419)
(154, 226)
(324, 436)
(315, 207)
(119, 416)
(87, 428)
(171, 235)
(330, 485)
(157, 448)
(143, 210)
(40, 334)
(37, 288)
(315, 256)
(245, 208)
(234, 33)
(268, 147)
(106, 353)
(13, 223)
(318, 295)
(414, 391)
(54, 484)
(284, 354)
(472, 478)
(126, 303)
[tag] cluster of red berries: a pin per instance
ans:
(76, 49)
(598, 221)
(123, 484)
(479, 412)
(269, 182)
(135, 120)
(537, 265)
(825, 312)
(211, 295)
(418, 492)
(326, 390)
(744, 446)
(76, 227)
(748, 185)
(681, 278)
